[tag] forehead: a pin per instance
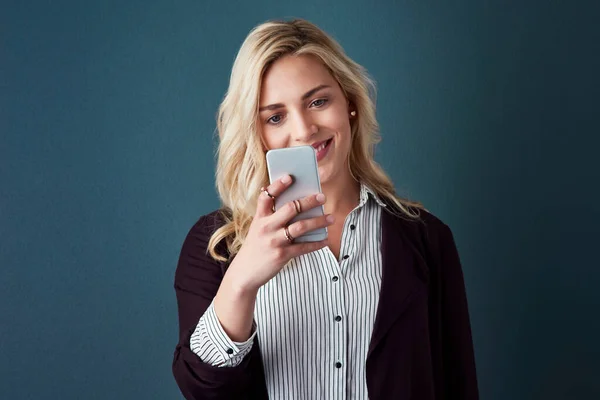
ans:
(291, 76)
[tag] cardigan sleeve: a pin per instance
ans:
(460, 379)
(197, 281)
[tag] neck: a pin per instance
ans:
(342, 195)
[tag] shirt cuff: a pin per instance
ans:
(210, 342)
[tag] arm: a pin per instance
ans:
(460, 379)
(200, 280)
(212, 344)
(197, 281)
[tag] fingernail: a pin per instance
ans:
(330, 218)
(321, 198)
(286, 179)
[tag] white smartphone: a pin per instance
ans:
(301, 163)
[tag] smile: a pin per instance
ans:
(322, 148)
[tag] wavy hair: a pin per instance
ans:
(241, 165)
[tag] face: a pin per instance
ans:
(301, 103)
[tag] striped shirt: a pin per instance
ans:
(314, 319)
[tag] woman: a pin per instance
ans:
(377, 310)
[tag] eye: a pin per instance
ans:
(275, 119)
(319, 103)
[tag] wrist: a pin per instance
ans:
(238, 285)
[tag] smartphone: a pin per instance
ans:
(300, 163)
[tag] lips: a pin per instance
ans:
(320, 145)
(322, 148)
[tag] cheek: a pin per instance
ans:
(338, 122)
(273, 141)
(343, 133)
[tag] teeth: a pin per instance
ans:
(322, 146)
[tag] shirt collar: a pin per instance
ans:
(365, 191)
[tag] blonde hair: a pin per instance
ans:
(241, 166)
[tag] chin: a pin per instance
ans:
(325, 175)
(331, 168)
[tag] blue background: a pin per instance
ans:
(489, 115)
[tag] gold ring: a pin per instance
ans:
(289, 237)
(263, 189)
(298, 206)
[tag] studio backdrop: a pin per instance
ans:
(489, 116)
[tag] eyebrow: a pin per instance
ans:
(304, 97)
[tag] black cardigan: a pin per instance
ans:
(421, 347)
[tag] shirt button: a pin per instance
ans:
(338, 364)
(335, 279)
(352, 227)
(229, 351)
(346, 256)
(338, 318)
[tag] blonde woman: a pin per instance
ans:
(378, 310)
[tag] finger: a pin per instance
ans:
(306, 247)
(299, 228)
(288, 211)
(265, 203)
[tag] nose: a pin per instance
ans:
(303, 128)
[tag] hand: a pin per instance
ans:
(266, 249)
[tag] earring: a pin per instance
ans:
(353, 113)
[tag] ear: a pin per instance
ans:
(351, 109)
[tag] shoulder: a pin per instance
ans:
(426, 223)
(209, 223)
(196, 241)
(428, 232)
(433, 224)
